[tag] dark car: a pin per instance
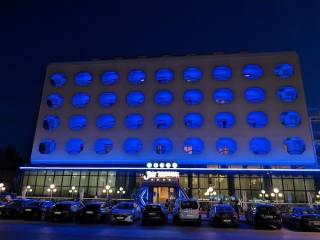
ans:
(303, 218)
(66, 211)
(94, 212)
(37, 210)
(14, 209)
(264, 215)
(223, 215)
(154, 213)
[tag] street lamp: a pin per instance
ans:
(72, 191)
(52, 189)
(121, 191)
(263, 194)
(2, 187)
(28, 189)
(107, 190)
(276, 193)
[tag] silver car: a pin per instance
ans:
(127, 212)
(187, 210)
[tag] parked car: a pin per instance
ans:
(37, 210)
(223, 215)
(303, 218)
(127, 212)
(14, 209)
(186, 211)
(264, 215)
(94, 212)
(154, 213)
(66, 211)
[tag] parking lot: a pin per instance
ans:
(27, 230)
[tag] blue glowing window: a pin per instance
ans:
(290, 119)
(193, 120)
(58, 79)
(109, 78)
(284, 70)
(103, 146)
(162, 146)
(51, 122)
(163, 97)
(222, 73)
(287, 94)
(105, 122)
(224, 120)
(254, 95)
(132, 145)
(260, 145)
(192, 74)
(80, 100)
(135, 98)
(252, 71)
(223, 96)
(134, 121)
(136, 77)
(77, 122)
(107, 99)
(54, 100)
(74, 146)
(193, 145)
(47, 146)
(193, 97)
(257, 119)
(163, 121)
(83, 78)
(294, 145)
(226, 146)
(164, 75)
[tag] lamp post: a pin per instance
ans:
(72, 191)
(121, 191)
(277, 194)
(52, 189)
(28, 189)
(2, 187)
(318, 196)
(107, 191)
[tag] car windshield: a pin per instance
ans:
(62, 206)
(36, 204)
(125, 206)
(267, 210)
(94, 206)
(224, 209)
(155, 208)
(309, 211)
(189, 205)
(17, 203)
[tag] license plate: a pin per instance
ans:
(227, 220)
(28, 210)
(89, 212)
(119, 218)
(268, 217)
(57, 213)
(152, 214)
(316, 223)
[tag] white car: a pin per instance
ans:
(125, 212)
(187, 210)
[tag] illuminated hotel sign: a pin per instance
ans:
(160, 174)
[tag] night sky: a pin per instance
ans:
(33, 35)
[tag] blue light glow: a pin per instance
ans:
(163, 97)
(193, 97)
(260, 145)
(193, 120)
(163, 121)
(162, 146)
(51, 122)
(77, 122)
(54, 100)
(287, 94)
(222, 73)
(135, 98)
(106, 121)
(109, 78)
(134, 121)
(107, 99)
(226, 146)
(193, 145)
(164, 75)
(74, 146)
(103, 146)
(284, 70)
(257, 119)
(80, 100)
(223, 96)
(47, 146)
(294, 145)
(58, 79)
(83, 78)
(252, 71)
(192, 74)
(290, 119)
(136, 77)
(132, 145)
(255, 95)
(224, 120)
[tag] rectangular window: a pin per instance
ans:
(288, 184)
(309, 182)
(298, 184)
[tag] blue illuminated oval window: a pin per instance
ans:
(193, 97)
(193, 120)
(109, 78)
(74, 146)
(287, 94)
(106, 121)
(58, 79)
(54, 100)
(163, 97)
(252, 71)
(135, 98)
(192, 74)
(163, 121)
(132, 145)
(290, 119)
(51, 122)
(164, 75)
(80, 100)
(103, 146)
(77, 122)
(162, 146)
(221, 73)
(260, 145)
(224, 120)
(134, 121)
(226, 146)
(254, 95)
(257, 119)
(47, 146)
(223, 96)
(284, 70)
(83, 78)
(136, 77)
(294, 145)
(107, 99)
(193, 145)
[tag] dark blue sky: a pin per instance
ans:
(32, 35)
